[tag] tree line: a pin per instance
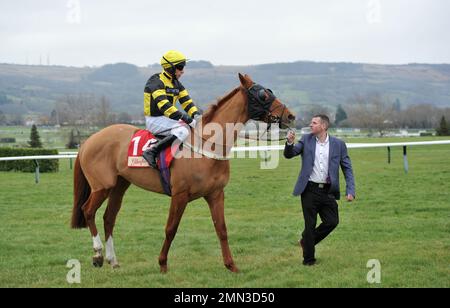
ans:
(74, 110)
(375, 113)
(82, 109)
(360, 111)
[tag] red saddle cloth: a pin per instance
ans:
(140, 142)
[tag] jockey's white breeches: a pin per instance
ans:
(165, 126)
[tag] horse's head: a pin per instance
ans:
(264, 106)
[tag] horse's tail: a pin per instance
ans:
(81, 193)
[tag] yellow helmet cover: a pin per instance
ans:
(172, 56)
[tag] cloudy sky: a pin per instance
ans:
(231, 32)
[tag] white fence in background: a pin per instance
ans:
(72, 155)
(63, 155)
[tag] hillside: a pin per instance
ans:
(35, 89)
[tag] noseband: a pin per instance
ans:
(260, 101)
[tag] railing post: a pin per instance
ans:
(405, 159)
(36, 175)
(389, 155)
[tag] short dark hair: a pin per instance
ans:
(324, 118)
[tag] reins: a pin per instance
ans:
(260, 108)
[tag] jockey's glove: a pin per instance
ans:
(197, 116)
(188, 120)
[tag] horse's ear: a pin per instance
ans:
(245, 80)
(242, 79)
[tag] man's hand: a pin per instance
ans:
(349, 198)
(291, 136)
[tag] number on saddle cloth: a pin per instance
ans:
(141, 141)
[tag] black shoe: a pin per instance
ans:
(150, 157)
(151, 154)
(309, 263)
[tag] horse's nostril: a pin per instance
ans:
(291, 117)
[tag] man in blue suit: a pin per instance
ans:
(318, 182)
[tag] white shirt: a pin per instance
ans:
(320, 169)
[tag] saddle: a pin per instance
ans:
(143, 140)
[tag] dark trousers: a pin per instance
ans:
(316, 200)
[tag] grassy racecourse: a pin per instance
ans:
(403, 220)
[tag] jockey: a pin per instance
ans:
(161, 115)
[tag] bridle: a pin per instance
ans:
(260, 101)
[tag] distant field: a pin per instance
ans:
(51, 137)
(403, 220)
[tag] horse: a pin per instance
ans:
(101, 171)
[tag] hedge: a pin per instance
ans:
(45, 165)
(7, 140)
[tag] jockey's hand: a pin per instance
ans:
(197, 116)
(186, 119)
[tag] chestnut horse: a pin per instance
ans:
(101, 171)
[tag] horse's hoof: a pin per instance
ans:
(163, 269)
(232, 268)
(97, 261)
(114, 264)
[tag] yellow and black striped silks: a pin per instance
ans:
(161, 94)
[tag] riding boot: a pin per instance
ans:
(151, 154)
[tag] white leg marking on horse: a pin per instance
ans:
(110, 253)
(97, 243)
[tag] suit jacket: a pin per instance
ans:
(306, 147)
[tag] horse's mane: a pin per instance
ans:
(209, 114)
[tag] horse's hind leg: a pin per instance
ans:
(216, 206)
(90, 208)
(177, 206)
(109, 218)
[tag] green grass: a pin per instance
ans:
(401, 219)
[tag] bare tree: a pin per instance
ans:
(446, 113)
(2, 118)
(104, 114)
(309, 112)
(371, 112)
(124, 117)
(61, 114)
(421, 116)
(16, 119)
(82, 108)
(74, 109)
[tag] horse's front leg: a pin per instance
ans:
(177, 206)
(216, 206)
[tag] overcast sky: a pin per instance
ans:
(225, 32)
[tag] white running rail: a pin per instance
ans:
(62, 155)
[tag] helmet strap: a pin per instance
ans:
(173, 70)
